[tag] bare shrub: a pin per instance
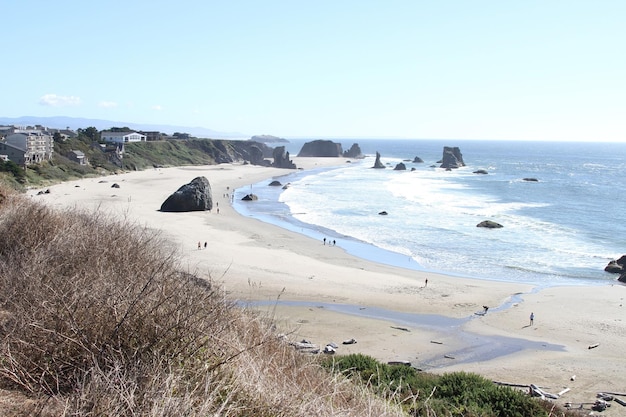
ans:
(96, 315)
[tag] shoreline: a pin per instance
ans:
(259, 262)
(274, 211)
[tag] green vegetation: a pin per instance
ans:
(455, 394)
(137, 156)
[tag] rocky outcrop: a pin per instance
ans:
(256, 155)
(377, 163)
(354, 152)
(250, 197)
(480, 171)
(489, 224)
(195, 196)
(400, 167)
(418, 160)
(452, 158)
(275, 183)
(281, 159)
(531, 179)
(617, 266)
(321, 148)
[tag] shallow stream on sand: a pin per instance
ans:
(477, 348)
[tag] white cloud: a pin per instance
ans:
(157, 107)
(107, 104)
(55, 100)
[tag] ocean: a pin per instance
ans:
(562, 229)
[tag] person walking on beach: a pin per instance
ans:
(324, 241)
(426, 283)
(199, 245)
(532, 318)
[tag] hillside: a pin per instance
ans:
(137, 156)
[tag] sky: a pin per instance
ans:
(482, 69)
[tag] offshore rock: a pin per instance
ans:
(400, 167)
(321, 148)
(250, 197)
(489, 224)
(195, 196)
(617, 266)
(418, 160)
(377, 163)
(452, 158)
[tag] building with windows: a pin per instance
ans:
(27, 147)
(121, 137)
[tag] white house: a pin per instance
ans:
(122, 137)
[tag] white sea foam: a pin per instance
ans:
(555, 230)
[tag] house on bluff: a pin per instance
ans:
(121, 137)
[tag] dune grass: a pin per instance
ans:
(97, 318)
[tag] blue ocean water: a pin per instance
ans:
(560, 230)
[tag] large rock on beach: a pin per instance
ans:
(377, 163)
(452, 158)
(195, 196)
(321, 148)
(281, 159)
(256, 155)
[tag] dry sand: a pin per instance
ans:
(393, 316)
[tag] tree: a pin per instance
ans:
(91, 133)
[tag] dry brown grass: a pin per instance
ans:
(98, 319)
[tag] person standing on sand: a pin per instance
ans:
(199, 245)
(426, 283)
(532, 318)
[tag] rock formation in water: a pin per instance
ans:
(452, 158)
(377, 163)
(489, 224)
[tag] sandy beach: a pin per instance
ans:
(317, 292)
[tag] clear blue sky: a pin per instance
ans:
(498, 69)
